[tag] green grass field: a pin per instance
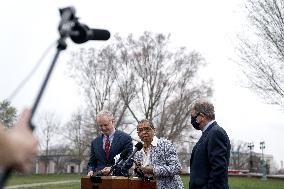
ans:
(234, 182)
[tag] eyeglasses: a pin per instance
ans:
(146, 129)
(198, 114)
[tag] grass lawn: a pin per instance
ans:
(255, 183)
(247, 183)
(234, 182)
(29, 179)
(185, 180)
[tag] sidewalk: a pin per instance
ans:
(41, 184)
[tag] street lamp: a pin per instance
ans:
(262, 147)
(250, 146)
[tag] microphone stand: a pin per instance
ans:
(67, 18)
(60, 46)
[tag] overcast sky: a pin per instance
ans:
(209, 27)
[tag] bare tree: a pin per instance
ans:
(49, 125)
(239, 155)
(143, 78)
(164, 82)
(96, 75)
(262, 54)
(78, 133)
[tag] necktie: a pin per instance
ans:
(107, 147)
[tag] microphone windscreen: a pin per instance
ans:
(79, 33)
(98, 34)
(124, 153)
(139, 146)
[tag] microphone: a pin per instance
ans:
(98, 34)
(123, 156)
(138, 147)
(138, 170)
(81, 33)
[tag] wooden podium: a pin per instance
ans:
(136, 183)
(116, 182)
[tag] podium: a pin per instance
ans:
(116, 182)
(136, 183)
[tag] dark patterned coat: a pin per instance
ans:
(166, 165)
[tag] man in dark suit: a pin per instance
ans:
(107, 145)
(210, 156)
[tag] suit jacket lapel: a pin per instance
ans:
(203, 136)
(100, 147)
(208, 129)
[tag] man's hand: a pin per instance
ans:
(148, 169)
(106, 170)
(138, 164)
(90, 173)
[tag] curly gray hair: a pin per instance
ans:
(205, 107)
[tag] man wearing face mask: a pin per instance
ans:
(210, 156)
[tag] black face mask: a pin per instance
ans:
(194, 123)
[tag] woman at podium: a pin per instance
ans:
(158, 158)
